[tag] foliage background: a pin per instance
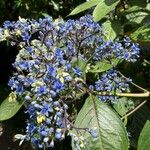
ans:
(131, 17)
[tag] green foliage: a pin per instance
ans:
(111, 133)
(128, 18)
(123, 106)
(142, 34)
(11, 10)
(118, 18)
(136, 122)
(84, 6)
(103, 8)
(113, 29)
(10, 106)
(136, 14)
(144, 139)
(104, 65)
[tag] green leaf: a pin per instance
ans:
(123, 105)
(137, 121)
(111, 133)
(103, 8)
(148, 7)
(142, 34)
(112, 29)
(56, 6)
(84, 6)
(144, 139)
(103, 66)
(136, 14)
(9, 107)
(140, 3)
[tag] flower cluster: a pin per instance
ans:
(48, 72)
(128, 51)
(111, 83)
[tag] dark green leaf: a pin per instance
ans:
(9, 107)
(144, 139)
(84, 6)
(103, 8)
(140, 3)
(109, 127)
(136, 123)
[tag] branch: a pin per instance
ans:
(135, 109)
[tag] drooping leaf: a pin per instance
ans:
(103, 8)
(103, 66)
(142, 34)
(10, 106)
(84, 6)
(111, 133)
(144, 139)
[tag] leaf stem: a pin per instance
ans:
(134, 83)
(135, 109)
(145, 94)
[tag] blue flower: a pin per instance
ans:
(58, 86)
(46, 109)
(26, 36)
(42, 90)
(77, 71)
(51, 71)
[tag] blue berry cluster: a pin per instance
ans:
(47, 78)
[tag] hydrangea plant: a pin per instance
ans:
(61, 62)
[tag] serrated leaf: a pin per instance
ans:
(9, 107)
(142, 34)
(103, 66)
(144, 139)
(103, 8)
(111, 133)
(84, 6)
